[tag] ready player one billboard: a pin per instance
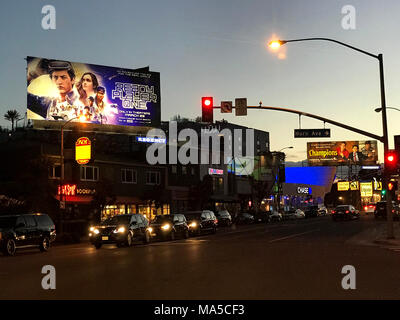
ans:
(62, 90)
(337, 153)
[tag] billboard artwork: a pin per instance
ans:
(337, 153)
(63, 90)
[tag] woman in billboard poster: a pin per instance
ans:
(86, 87)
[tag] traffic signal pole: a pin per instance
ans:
(383, 139)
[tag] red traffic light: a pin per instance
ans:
(391, 157)
(207, 105)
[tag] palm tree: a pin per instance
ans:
(13, 116)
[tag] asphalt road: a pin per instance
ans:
(299, 259)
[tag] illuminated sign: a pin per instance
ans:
(343, 186)
(354, 185)
(67, 189)
(151, 140)
(304, 190)
(377, 185)
(82, 150)
(106, 95)
(366, 189)
(215, 171)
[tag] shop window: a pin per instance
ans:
(55, 171)
(128, 176)
(152, 177)
(184, 170)
(89, 173)
(173, 169)
(193, 171)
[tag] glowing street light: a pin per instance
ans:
(276, 44)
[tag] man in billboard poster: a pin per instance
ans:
(356, 156)
(66, 104)
(342, 152)
(368, 151)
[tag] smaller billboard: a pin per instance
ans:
(83, 150)
(337, 153)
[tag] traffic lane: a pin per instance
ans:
(192, 269)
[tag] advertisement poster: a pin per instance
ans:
(63, 90)
(337, 153)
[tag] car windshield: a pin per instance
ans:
(342, 207)
(116, 220)
(7, 222)
(161, 219)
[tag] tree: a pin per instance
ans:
(13, 116)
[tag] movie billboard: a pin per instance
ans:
(63, 90)
(337, 153)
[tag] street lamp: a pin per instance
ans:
(285, 148)
(275, 44)
(380, 109)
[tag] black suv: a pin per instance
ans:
(168, 227)
(201, 222)
(311, 212)
(121, 229)
(26, 230)
(345, 212)
(380, 210)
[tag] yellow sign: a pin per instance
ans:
(377, 185)
(82, 150)
(343, 186)
(366, 189)
(354, 185)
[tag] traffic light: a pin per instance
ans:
(207, 112)
(391, 162)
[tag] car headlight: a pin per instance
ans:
(96, 231)
(193, 225)
(91, 229)
(119, 230)
(166, 227)
(150, 229)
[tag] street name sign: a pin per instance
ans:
(312, 133)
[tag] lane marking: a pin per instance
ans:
(293, 235)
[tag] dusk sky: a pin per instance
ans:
(219, 48)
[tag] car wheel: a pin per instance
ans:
(186, 234)
(45, 244)
(172, 235)
(98, 245)
(129, 240)
(146, 239)
(9, 247)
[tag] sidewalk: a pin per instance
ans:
(377, 235)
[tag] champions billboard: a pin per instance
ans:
(337, 153)
(62, 90)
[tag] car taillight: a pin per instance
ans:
(216, 220)
(333, 211)
(366, 208)
(347, 211)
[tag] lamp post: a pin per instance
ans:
(62, 198)
(278, 43)
(285, 148)
(380, 109)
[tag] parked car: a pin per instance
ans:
(262, 216)
(26, 231)
(168, 227)
(244, 218)
(289, 215)
(299, 214)
(275, 216)
(345, 212)
(380, 210)
(120, 230)
(311, 211)
(200, 222)
(369, 208)
(224, 218)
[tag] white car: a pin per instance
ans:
(299, 214)
(275, 216)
